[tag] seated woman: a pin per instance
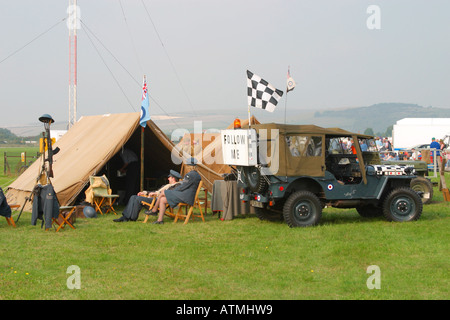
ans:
(134, 206)
(184, 192)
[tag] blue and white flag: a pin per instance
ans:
(145, 115)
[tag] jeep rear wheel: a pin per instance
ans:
(421, 184)
(302, 209)
(402, 204)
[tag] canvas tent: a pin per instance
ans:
(91, 147)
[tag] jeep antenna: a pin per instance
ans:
(290, 85)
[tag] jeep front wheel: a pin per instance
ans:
(402, 204)
(302, 209)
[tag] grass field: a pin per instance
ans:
(226, 260)
(240, 259)
(14, 162)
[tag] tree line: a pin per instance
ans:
(387, 133)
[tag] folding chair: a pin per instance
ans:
(190, 213)
(64, 217)
(5, 208)
(102, 194)
(169, 211)
(204, 198)
(10, 220)
(150, 207)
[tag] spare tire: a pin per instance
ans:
(423, 185)
(254, 179)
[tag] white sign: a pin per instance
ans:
(239, 147)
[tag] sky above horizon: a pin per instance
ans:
(195, 54)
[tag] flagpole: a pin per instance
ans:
(249, 117)
(290, 84)
(142, 159)
(142, 149)
(285, 107)
(287, 90)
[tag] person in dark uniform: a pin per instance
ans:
(184, 192)
(131, 168)
(134, 206)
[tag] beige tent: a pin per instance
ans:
(207, 147)
(91, 147)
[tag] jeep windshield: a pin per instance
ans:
(344, 145)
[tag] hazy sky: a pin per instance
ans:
(196, 53)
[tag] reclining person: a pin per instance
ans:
(134, 206)
(184, 192)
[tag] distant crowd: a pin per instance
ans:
(387, 152)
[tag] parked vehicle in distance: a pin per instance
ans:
(421, 146)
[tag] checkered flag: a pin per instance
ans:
(262, 94)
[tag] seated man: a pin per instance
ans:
(134, 206)
(184, 192)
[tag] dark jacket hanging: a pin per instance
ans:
(45, 205)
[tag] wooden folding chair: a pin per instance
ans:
(204, 199)
(190, 213)
(10, 220)
(169, 211)
(149, 205)
(102, 194)
(4, 204)
(64, 217)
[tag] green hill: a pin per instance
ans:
(7, 137)
(378, 116)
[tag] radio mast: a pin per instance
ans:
(73, 24)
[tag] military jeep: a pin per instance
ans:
(292, 172)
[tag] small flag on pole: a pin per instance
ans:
(145, 115)
(290, 82)
(262, 94)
